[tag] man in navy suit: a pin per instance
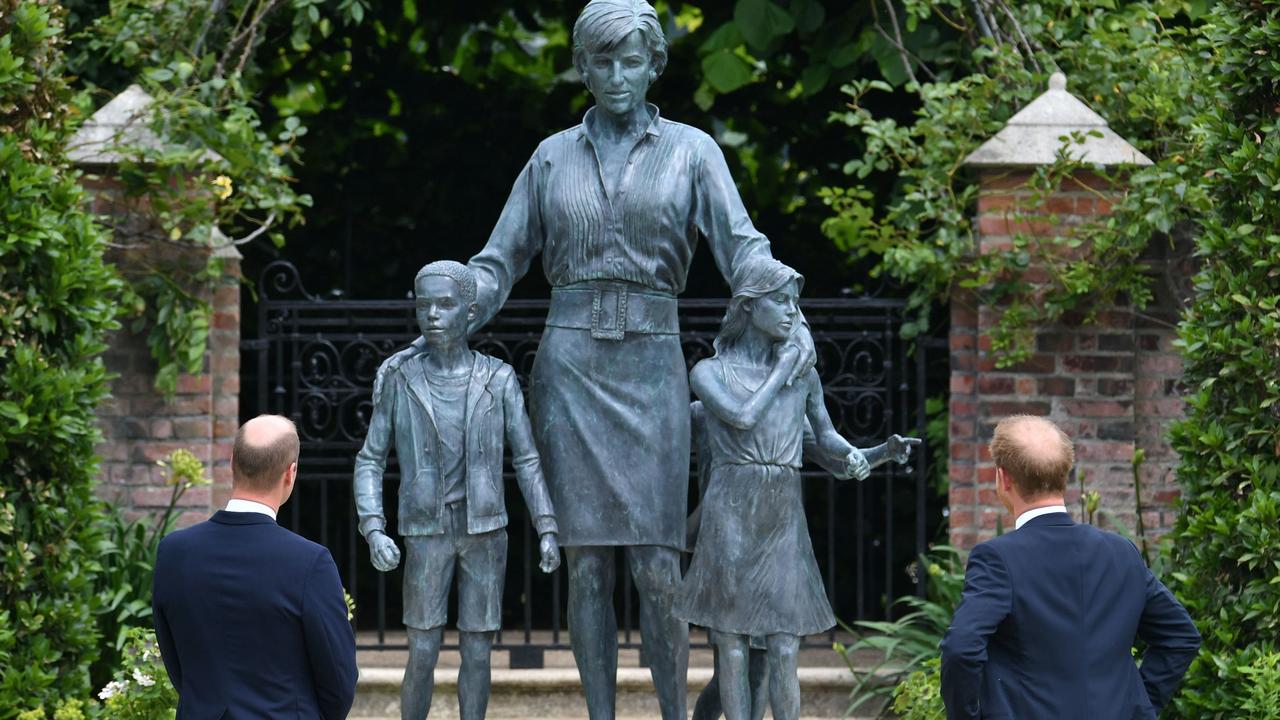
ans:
(1052, 610)
(250, 617)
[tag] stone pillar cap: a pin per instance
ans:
(1033, 136)
(117, 128)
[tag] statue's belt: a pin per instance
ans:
(610, 310)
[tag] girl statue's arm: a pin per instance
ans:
(709, 388)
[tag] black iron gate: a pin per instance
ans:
(314, 360)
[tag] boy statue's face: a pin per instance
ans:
(442, 313)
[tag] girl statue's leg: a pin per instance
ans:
(419, 674)
(784, 683)
(708, 705)
(732, 660)
(474, 675)
(593, 629)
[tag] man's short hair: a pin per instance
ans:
(258, 467)
(605, 23)
(460, 274)
(1038, 462)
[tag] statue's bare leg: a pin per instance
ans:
(708, 705)
(784, 682)
(732, 661)
(419, 674)
(593, 628)
(473, 676)
(656, 572)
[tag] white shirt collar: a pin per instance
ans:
(241, 505)
(1030, 515)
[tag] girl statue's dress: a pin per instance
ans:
(754, 571)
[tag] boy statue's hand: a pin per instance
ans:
(899, 448)
(383, 551)
(856, 466)
(549, 549)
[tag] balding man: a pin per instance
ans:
(1052, 610)
(250, 617)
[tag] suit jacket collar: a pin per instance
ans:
(222, 517)
(1050, 519)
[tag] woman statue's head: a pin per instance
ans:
(619, 49)
(765, 294)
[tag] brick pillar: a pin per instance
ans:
(139, 425)
(1111, 384)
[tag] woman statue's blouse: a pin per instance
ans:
(675, 185)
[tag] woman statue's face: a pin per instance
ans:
(619, 77)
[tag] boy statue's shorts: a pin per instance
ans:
(480, 562)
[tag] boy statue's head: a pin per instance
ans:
(445, 298)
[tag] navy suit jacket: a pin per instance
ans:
(1047, 623)
(251, 622)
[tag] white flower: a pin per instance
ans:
(142, 678)
(113, 688)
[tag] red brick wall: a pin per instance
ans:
(139, 425)
(1111, 385)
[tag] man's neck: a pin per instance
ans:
(1038, 503)
(451, 359)
(269, 501)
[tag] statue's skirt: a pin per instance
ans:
(611, 420)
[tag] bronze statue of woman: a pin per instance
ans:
(615, 207)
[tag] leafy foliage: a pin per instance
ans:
(57, 301)
(215, 168)
(919, 696)
(1226, 544)
(140, 688)
(128, 558)
(910, 643)
(1129, 62)
(1194, 86)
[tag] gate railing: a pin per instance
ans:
(314, 360)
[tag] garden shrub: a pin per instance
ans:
(57, 301)
(1225, 555)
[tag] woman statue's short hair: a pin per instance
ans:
(605, 23)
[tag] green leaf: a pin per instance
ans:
(725, 71)
(808, 15)
(814, 78)
(760, 21)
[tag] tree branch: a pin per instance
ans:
(897, 33)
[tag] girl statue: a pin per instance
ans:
(753, 570)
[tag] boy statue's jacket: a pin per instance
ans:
(404, 419)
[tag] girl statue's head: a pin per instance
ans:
(765, 294)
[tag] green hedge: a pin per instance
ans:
(57, 300)
(1225, 559)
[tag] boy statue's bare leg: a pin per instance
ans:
(419, 674)
(473, 676)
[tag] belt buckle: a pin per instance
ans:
(609, 311)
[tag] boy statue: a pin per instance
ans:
(445, 411)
